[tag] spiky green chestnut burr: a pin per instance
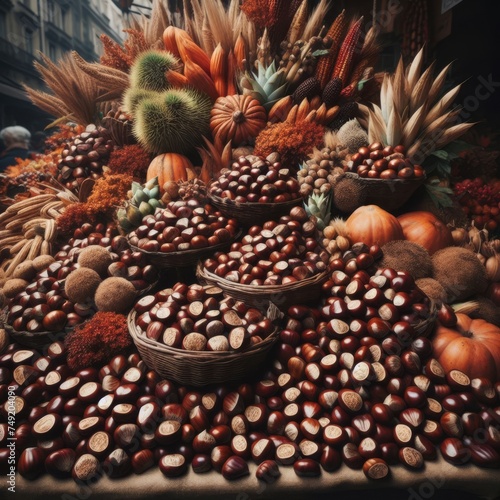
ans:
(173, 122)
(133, 96)
(148, 70)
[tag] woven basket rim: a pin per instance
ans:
(194, 251)
(38, 338)
(252, 204)
(260, 289)
(196, 356)
(413, 180)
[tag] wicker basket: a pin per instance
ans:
(37, 340)
(389, 194)
(184, 258)
(306, 291)
(201, 367)
(251, 214)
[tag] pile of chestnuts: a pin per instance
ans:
(183, 225)
(378, 162)
(256, 180)
(275, 253)
(199, 318)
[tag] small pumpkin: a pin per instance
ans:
(427, 230)
(472, 347)
(372, 225)
(170, 167)
(237, 118)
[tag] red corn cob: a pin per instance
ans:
(343, 65)
(326, 63)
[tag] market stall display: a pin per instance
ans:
(219, 275)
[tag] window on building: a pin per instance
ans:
(64, 19)
(52, 51)
(51, 11)
(28, 40)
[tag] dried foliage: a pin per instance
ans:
(75, 94)
(118, 57)
(411, 112)
(293, 142)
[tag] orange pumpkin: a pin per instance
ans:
(472, 347)
(237, 118)
(170, 167)
(426, 229)
(373, 226)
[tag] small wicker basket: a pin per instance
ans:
(389, 194)
(306, 291)
(185, 258)
(251, 214)
(201, 367)
(38, 340)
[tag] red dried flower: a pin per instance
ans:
(257, 11)
(131, 160)
(109, 192)
(74, 216)
(95, 342)
(293, 141)
(114, 55)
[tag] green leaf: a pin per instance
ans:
(441, 196)
(441, 153)
(321, 52)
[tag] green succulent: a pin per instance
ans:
(267, 86)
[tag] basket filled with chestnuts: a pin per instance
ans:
(195, 335)
(255, 190)
(182, 233)
(280, 261)
(377, 175)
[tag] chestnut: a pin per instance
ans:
(60, 463)
(31, 463)
(173, 465)
(454, 451)
(234, 467)
(268, 471)
(376, 468)
(411, 458)
(86, 468)
(307, 467)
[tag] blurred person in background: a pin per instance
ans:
(16, 140)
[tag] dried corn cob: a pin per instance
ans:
(218, 70)
(298, 23)
(303, 110)
(326, 63)
(231, 88)
(240, 53)
(343, 64)
(280, 109)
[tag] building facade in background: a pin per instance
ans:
(53, 27)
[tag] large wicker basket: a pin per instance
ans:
(307, 291)
(201, 367)
(389, 194)
(251, 214)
